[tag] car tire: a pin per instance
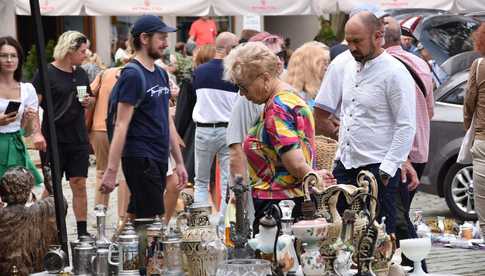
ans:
(455, 187)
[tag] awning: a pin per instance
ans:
(469, 6)
(51, 7)
(141, 7)
(262, 7)
(448, 5)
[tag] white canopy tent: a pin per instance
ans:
(140, 7)
(347, 5)
(469, 6)
(262, 7)
(458, 6)
(231, 7)
(51, 7)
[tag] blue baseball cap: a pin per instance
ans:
(151, 24)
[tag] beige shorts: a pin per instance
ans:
(100, 143)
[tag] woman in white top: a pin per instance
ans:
(22, 121)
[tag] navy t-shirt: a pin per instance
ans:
(148, 133)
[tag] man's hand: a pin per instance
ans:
(409, 175)
(182, 175)
(39, 141)
(385, 177)
(108, 183)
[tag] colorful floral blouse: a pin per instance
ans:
(287, 123)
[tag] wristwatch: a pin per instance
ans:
(384, 176)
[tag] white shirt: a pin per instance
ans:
(28, 98)
(378, 120)
(332, 81)
(121, 55)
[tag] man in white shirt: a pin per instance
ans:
(377, 118)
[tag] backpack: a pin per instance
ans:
(115, 95)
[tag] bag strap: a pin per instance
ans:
(141, 93)
(415, 76)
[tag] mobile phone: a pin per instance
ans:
(12, 106)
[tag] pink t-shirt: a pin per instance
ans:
(424, 105)
(203, 31)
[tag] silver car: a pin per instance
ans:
(442, 175)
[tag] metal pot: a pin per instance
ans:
(128, 254)
(83, 253)
(99, 263)
(55, 259)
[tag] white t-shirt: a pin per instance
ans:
(28, 98)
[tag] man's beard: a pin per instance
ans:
(362, 58)
(153, 53)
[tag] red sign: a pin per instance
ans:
(147, 7)
(45, 7)
(394, 4)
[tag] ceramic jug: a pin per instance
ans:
(198, 228)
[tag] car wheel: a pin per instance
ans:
(458, 191)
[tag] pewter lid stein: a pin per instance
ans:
(55, 259)
(155, 229)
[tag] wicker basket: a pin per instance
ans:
(326, 148)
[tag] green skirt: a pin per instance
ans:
(13, 152)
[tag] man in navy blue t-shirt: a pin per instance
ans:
(144, 132)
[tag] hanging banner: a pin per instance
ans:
(141, 7)
(51, 7)
(262, 7)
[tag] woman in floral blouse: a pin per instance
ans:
(280, 147)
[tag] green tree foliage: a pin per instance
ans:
(31, 65)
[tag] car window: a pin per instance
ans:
(453, 37)
(456, 95)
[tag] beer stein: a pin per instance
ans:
(128, 255)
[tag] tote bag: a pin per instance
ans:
(465, 154)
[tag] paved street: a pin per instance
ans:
(441, 260)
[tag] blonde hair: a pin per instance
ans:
(247, 61)
(204, 54)
(68, 42)
(307, 66)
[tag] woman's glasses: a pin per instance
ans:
(7, 56)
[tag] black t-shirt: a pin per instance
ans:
(69, 114)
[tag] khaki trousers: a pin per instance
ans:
(478, 152)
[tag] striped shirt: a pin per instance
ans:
(215, 97)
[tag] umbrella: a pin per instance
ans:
(52, 147)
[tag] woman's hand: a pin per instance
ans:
(6, 119)
(39, 141)
(327, 178)
(88, 101)
(30, 114)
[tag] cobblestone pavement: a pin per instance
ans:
(440, 260)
